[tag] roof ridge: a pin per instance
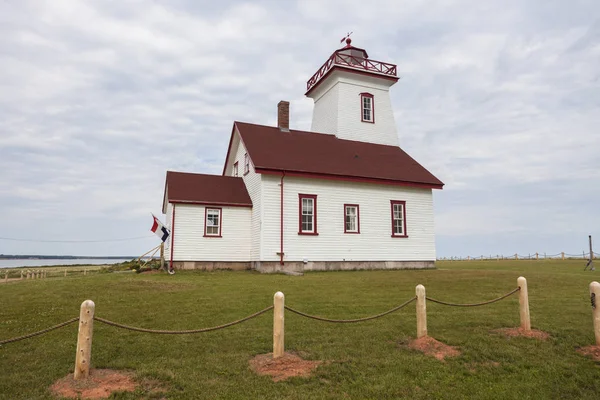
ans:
(328, 135)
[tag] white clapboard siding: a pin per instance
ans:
(325, 113)
(374, 243)
(167, 222)
(191, 245)
(253, 185)
(338, 109)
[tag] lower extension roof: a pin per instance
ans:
(184, 187)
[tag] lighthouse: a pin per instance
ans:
(351, 95)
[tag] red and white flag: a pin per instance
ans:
(161, 231)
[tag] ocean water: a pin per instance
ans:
(57, 261)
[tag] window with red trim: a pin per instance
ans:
(212, 222)
(351, 218)
(235, 169)
(307, 214)
(246, 164)
(367, 108)
(398, 218)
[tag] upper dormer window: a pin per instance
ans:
(367, 113)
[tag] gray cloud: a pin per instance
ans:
(500, 99)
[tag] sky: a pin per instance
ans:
(500, 99)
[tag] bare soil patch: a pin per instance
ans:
(432, 347)
(514, 332)
(282, 368)
(590, 351)
(100, 385)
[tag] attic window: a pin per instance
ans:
(246, 164)
(235, 169)
(367, 109)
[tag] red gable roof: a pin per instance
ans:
(325, 156)
(183, 187)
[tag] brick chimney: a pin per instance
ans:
(283, 115)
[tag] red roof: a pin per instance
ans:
(183, 187)
(325, 156)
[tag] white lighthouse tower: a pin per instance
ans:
(352, 98)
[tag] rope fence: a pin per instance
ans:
(475, 304)
(182, 332)
(30, 335)
(347, 321)
(86, 321)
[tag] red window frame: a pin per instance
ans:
(206, 234)
(235, 169)
(246, 164)
(302, 196)
(362, 111)
(357, 218)
(403, 203)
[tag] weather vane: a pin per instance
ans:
(347, 38)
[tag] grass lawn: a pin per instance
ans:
(366, 360)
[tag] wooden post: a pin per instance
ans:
(84, 340)
(595, 298)
(537, 257)
(591, 252)
(563, 255)
(278, 325)
(421, 312)
(524, 304)
(516, 256)
(162, 255)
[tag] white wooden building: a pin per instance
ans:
(344, 196)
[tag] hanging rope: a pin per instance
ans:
(342, 321)
(474, 304)
(181, 332)
(30, 335)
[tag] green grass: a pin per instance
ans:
(366, 360)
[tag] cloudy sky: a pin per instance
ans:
(499, 98)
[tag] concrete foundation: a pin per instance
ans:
(299, 266)
(212, 265)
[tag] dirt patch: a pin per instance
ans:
(590, 351)
(514, 332)
(432, 347)
(100, 384)
(282, 368)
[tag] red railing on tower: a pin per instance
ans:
(348, 61)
